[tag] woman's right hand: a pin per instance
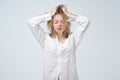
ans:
(53, 11)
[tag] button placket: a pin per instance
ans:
(59, 65)
(59, 48)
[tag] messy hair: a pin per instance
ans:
(66, 23)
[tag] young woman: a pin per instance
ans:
(60, 44)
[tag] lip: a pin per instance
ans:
(59, 29)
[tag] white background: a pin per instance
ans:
(98, 55)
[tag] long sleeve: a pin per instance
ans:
(34, 24)
(80, 31)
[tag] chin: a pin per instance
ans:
(59, 32)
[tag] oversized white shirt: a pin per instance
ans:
(59, 58)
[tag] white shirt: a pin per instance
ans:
(59, 58)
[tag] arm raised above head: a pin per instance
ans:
(80, 31)
(34, 24)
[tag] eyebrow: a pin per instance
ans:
(58, 20)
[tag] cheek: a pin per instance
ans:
(54, 26)
(64, 27)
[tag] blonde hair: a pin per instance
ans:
(66, 23)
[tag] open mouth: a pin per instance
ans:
(59, 29)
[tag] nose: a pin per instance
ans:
(59, 23)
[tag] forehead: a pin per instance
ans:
(58, 17)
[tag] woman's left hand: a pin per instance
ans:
(65, 10)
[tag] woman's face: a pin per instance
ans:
(58, 24)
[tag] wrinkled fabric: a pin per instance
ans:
(59, 58)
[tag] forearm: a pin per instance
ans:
(36, 29)
(80, 31)
(71, 15)
(39, 19)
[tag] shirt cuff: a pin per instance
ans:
(47, 16)
(81, 18)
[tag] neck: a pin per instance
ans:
(59, 36)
